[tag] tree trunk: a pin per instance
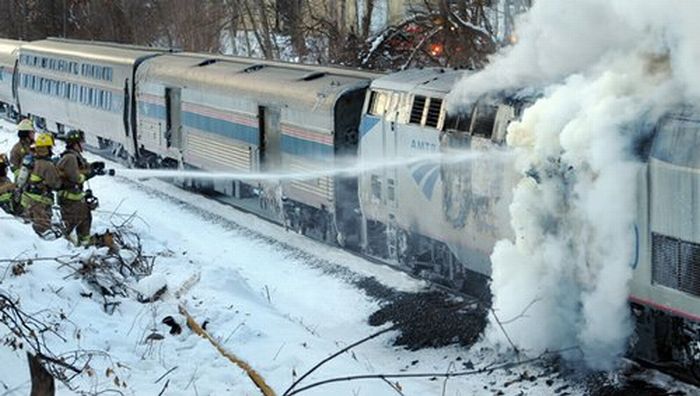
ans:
(42, 381)
(367, 19)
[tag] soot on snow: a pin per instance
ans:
(431, 319)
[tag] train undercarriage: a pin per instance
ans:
(424, 257)
(9, 112)
(667, 342)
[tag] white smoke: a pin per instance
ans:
(605, 68)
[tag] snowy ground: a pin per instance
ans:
(262, 292)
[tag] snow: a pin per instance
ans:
(267, 296)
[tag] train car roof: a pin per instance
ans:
(428, 81)
(101, 51)
(7, 45)
(7, 49)
(307, 85)
(340, 70)
(677, 136)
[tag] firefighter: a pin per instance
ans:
(7, 188)
(37, 195)
(25, 132)
(76, 202)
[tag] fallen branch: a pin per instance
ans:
(55, 258)
(166, 374)
(385, 377)
(28, 333)
(111, 271)
(333, 356)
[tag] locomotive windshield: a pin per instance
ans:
(458, 122)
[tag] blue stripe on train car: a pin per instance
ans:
(368, 122)
(220, 127)
(426, 176)
(152, 110)
(204, 123)
(429, 186)
(306, 148)
(244, 133)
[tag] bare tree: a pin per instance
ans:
(107, 20)
(192, 26)
(290, 22)
(257, 19)
(367, 18)
(433, 32)
(436, 33)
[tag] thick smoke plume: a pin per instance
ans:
(607, 69)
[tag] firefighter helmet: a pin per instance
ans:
(75, 136)
(25, 127)
(3, 160)
(44, 140)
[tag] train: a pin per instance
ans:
(163, 108)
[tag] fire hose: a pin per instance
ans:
(252, 374)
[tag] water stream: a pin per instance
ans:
(340, 167)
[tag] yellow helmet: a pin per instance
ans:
(25, 125)
(44, 140)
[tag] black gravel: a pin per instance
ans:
(631, 388)
(431, 319)
(627, 383)
(375, 289)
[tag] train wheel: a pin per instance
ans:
(692, 363)
(695, 370)
(692, 352)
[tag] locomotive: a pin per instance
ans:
(162, 108)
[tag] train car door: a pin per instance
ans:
(270, 138)
(173, 117)
(15, 83)
(391, 151)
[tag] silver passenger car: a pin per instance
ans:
(85, 85)
(234, 114)
(8, 62)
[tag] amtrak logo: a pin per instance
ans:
(426, 176)
(424, 146)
